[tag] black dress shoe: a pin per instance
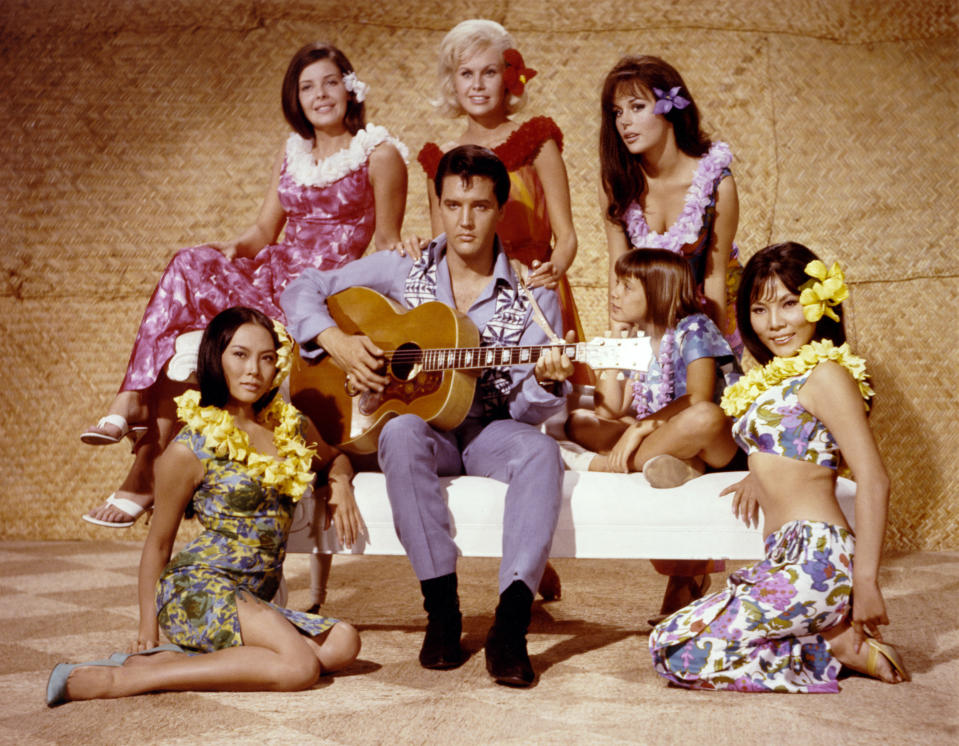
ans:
(507, 660)
(441, 645)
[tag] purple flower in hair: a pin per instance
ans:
(666, 100)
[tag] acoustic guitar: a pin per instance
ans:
(432, 358)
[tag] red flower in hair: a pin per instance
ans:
(516, 75)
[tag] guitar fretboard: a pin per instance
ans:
(469, 358)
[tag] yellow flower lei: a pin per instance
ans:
(284, 353)
(289, 473)
(738, 397)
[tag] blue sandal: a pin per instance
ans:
(57, 684)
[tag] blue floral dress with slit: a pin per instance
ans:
(241, 551)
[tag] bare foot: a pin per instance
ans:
(665, 471)
(842, 643)
(130, 406)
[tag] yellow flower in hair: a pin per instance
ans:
(284, 354)
(826, 290)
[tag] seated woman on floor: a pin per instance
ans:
(792, 621)
(240, 464)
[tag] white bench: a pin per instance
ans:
(602, 516)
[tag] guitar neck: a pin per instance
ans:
(475, 358)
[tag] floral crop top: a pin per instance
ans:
(777, 423)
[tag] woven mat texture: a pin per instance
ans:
(131, 129)
(75, 601)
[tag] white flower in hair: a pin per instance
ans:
(356, 86)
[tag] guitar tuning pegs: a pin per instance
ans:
(624, 333)
(608, 333)
(620, 376)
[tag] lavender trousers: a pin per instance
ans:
(413, 455)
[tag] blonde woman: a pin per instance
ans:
(483, 78)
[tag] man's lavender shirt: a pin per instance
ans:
(304, 303)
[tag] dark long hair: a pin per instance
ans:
(788, 262)
(214, 391)
(623, 179)
(667, 281)
(355, 118)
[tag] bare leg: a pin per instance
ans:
(274, 657)
(700, 432)
(595, 433)
(320, 563)
(161, 421)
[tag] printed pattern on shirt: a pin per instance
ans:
(505, 328)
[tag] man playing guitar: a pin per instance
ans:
(466, 269)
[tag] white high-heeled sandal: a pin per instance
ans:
(96, 437)
(130, 508)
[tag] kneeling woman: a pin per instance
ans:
(792, 621)
(240, 464)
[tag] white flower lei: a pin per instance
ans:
(307, 172)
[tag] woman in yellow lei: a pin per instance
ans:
(240, 464)
(791, 622)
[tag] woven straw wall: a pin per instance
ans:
(132, 128)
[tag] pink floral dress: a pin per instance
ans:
(330, 221)
(691, 234)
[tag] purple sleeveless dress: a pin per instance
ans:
(330, 221)
(690, 235)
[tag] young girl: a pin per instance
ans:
(483, 77)
(665, 185)
(663, 422)
(792, 621)
(240, 464)
(337, 184)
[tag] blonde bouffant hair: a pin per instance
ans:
(462, 40)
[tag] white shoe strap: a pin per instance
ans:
(132, 509)
(117, 420)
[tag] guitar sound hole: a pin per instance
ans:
(405, 363)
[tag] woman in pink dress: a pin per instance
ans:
(337, 184)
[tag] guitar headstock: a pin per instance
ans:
(626, 353)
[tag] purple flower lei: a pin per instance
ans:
(663, 394)
(666, 100)
(689, 224)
